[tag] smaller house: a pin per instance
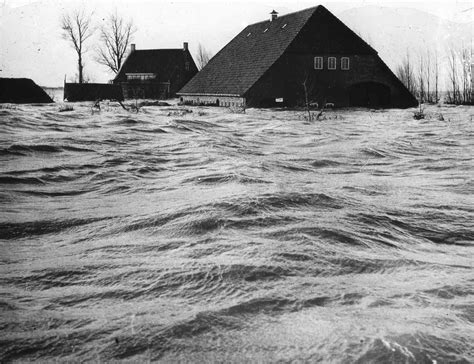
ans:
(155, 73)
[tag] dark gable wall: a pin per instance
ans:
(324, 35)
(176, 72)
(187, 75)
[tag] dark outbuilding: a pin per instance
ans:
(284, 60)
(92, 92)
(22, 91)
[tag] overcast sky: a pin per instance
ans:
(31, 44)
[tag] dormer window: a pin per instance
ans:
(345, 63)
(318, 63)
(331, 63)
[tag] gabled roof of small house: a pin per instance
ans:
(241, 63)
(154, 61)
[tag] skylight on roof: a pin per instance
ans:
(266, 30)
(284, 25)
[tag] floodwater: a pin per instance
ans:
(212, 236)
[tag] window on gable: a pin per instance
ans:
(345, 63)
(318, 63)
(332, 63)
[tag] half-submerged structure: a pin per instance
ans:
(92, 92)
(306, 56)
(155, 73)
(22, 91)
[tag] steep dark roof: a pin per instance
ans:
(243, 60)
(153, 61)
(241, 63)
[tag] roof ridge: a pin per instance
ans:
(158, 49)
(282, 16)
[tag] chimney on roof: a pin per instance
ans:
(132, 47)
(274, 15)
(185, 46)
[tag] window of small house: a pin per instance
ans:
(332, 63)
(345, 63)
(141, 76)
(318, 63)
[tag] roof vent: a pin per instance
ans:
(132, 47)
(274, 15)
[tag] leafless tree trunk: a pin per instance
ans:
(305, 88)
(429, 96)
(466, 75)
(436, 76)
(203, 56)
(453, 94)
(406, 75)
(116, 35)
(421, 79)
(76, 27)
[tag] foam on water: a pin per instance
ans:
(210, 236)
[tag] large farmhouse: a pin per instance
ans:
(155, 73)
(285, 60)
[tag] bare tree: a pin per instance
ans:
(77, 28)
(421, 79)
(116, 35)
(466, 75)
(436, 76)
(427, 76)
(406, 74)
(453, 93)
(203, 56)
(459, 75)
(312, 93)
(306, 99)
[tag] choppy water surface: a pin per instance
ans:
(212, 236)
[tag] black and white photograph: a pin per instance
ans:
(203, 181)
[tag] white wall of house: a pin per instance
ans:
(226, 101)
